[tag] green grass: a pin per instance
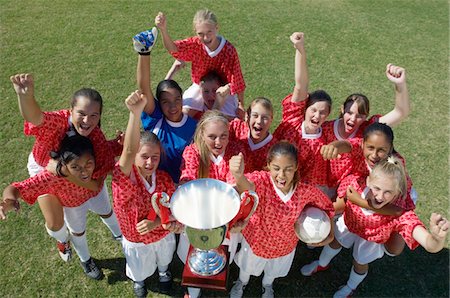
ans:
(71, 44)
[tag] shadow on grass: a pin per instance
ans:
(116, 266)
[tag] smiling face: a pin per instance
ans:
(282, 170)
(315, 116)
(81, 168)
(207, 34)
(209, 89)
(259, 121)
(376, 147)
(383, 190)
(147, 159)
(215, 136)
(352, 118)
(85, 115)
(171, 103)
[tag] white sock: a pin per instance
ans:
(194, 292)
(163, 269)
(244, 277)
(81, 247)
(267, 280)
(355, 279)
(327, 255)
(112, 224)
(62, 235)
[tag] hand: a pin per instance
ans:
(174, 227)
(298, 40)
(395, 74)
(160, 21)
(329, 152)
(136, 102)
(237, 166)
(238, 226)
(23, 85)
(223, 91)
(438, 226)
(7, 205)
(352, 195)
(120, 136)
(145, 226)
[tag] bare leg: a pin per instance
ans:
(52, 211)
(395, 244)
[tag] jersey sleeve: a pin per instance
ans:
(236, 79)
(149, 120)
(33, 187)
(293, 112)
(52, 121)
(186, 49)
(407, 222)
(190, 164)
(122, 188)
(318, 199)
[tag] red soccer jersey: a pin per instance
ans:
(270, 231)
(52, 131)
(69, 194)
(378, 228)
(225, 62)
(132, 203)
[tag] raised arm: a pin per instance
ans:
(301, 68)
(237, 170)
(161, 23)
(135, 104)
(10, 201)
(334, 149)
(434, 240)
(29, 109)
(402, 107)
(176, 67)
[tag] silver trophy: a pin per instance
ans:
(205, 207)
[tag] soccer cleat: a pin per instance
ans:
(143, 42)
(91, 270)
(65, 252)
(267, 291)
(237, 290)
(312, 268)
(343, 292)
(139, 289)
(165, 282)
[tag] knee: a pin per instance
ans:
(54, 225)
(395, 245)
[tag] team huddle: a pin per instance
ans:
(347, 167)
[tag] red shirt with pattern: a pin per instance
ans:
(225, 63)
(377, 227)
(52, 131)
(69, 194)
(270, 231)
(132, 203)
(255, 159)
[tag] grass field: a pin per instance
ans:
(72, 44)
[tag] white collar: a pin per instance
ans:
(336, 131)
(364, 196)
(216, 52)
(311, 136)
(216, 160)
(261, 144)
(179, 123)
(150, 189)
(284, 197)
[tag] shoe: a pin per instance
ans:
(143, 42)
(237, 290)
(139, 289)
(267, 292)
(312, 268)
(165, 282)
(65, 252)
(343, 292)
(118, 238)
(91, 270)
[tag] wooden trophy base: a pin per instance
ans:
(214, 282)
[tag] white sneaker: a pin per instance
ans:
(267, 292)
(312, 268)
(343, 292)
(237, 290)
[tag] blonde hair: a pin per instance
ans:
(204, 16)
(393, 167)
(208, 117)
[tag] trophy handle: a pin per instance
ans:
(163, 199)
(247, 197)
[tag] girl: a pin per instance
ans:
(164, 116)
(353, 119)
(49, 129)
(367, 232)
(303, 116)
(68, 180)
(212, 94)
(146, 244)
(207, 51)
(269, 239)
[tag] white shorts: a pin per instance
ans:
(183, 246)
(32, 166)
(364, 252)
(192, 99)
(75, 217)
(254, 265)
(143, 259)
